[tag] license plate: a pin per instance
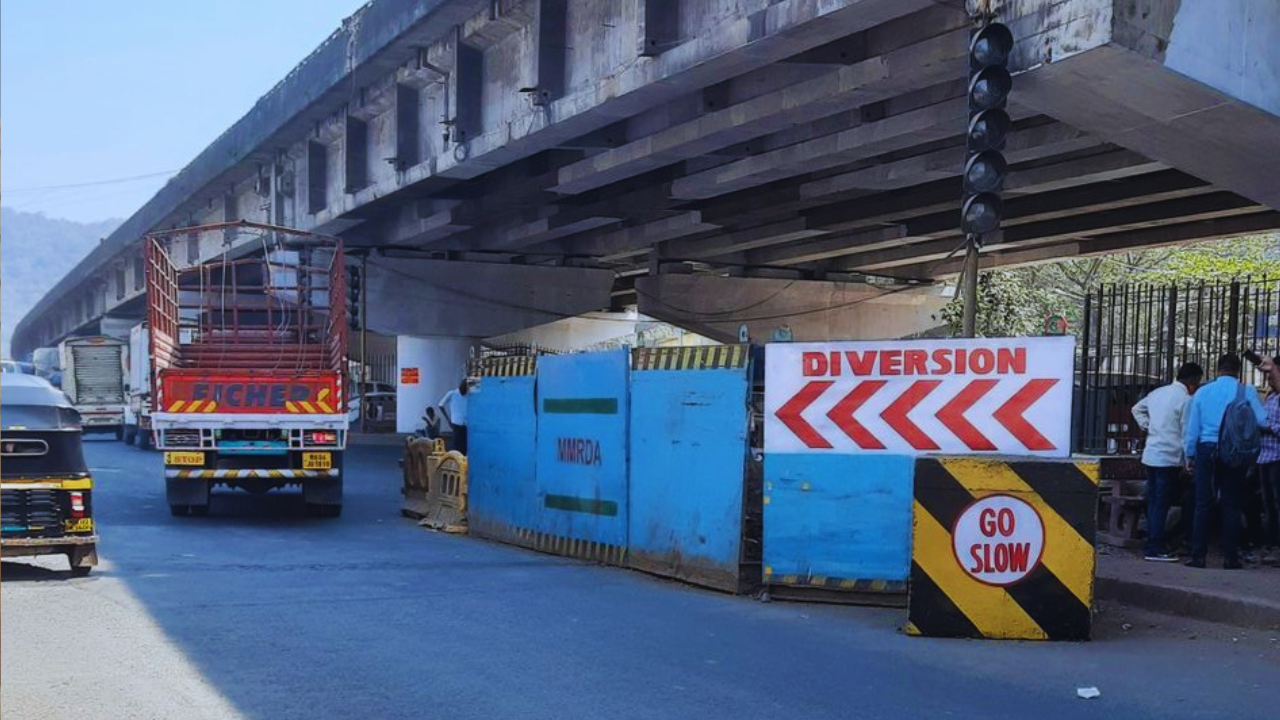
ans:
(316, 461)
(184, 458)
(78, 525)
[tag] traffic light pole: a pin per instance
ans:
(364, 339)
(985, 166)
(969, 288)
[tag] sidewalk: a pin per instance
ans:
(1248, 597)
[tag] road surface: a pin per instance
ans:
(261, 612)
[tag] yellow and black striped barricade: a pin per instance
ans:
(435, 486)
(505, 366)
(1003, 548)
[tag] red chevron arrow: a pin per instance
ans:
(1010, 414)
(790, 411)
(842, 414)
(952, 415)
(896, 414)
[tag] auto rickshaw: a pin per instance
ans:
(46, 503)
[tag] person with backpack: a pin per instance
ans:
(1223, 438)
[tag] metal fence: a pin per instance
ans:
(1134, 337)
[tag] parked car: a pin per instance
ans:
(379, 399)
(17, 367)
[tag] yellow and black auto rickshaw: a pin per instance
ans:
(46, 493)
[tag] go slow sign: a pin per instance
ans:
(998, 539)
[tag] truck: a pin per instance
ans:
(48, 364)
(93, 378)
(248, 354)
(137, 412)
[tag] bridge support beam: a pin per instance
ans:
(814, 310)
(1188, 83)
(438, 298)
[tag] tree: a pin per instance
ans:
(1007, 307)
(1018, 301)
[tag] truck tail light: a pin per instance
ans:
(77, 504)
(324, 438)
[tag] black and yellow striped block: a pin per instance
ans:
(572, 547)
(834, 583)
(700, 357)
(1053, 601)
(508, 366)
(548, 543)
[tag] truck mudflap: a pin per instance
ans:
(236, 473)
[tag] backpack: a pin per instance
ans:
(1239, 438)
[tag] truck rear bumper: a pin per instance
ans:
(168, 420)
(235, 473)
(9, 543)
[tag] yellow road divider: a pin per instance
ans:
(435, 486)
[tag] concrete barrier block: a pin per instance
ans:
(1003, 548)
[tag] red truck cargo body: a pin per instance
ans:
(199, 391)
(248, 351)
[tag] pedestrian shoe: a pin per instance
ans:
(1194, 563)
(1161, 558)
(1231, 565)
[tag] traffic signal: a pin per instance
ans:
(989, 124)
(354, 282)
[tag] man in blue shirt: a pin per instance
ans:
(1204, 420)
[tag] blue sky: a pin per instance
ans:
(94, 90)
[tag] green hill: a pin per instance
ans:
(35, 252)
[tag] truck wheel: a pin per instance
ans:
(323, 496)
(186, 495)
(130, 432)
(324, 511)
(144, 439)
(119, 432)
(82, 559)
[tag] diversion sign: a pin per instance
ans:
(962, 396)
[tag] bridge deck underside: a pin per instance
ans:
(784, 139)
(840, 160)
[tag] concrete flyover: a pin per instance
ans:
(718, 161)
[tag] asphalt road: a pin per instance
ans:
(261, 612)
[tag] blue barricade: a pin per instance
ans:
(689, 422)
(502, 433)
(838, 522)
(581, 457)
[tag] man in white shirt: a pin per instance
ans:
(454, 407)
(1163, 415)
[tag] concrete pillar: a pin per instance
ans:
(437, 363)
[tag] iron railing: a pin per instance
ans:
(1134, 338)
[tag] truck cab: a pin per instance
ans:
(137, 412)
